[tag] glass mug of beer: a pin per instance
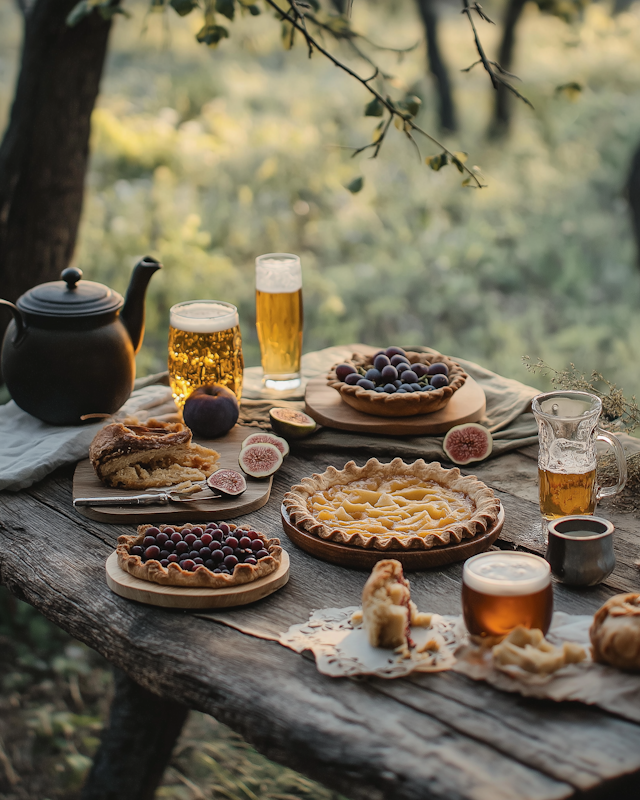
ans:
(568, 431)
(501, 590)
(205, 346)
(279, 319)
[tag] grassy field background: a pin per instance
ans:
(207, 158)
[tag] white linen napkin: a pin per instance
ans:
(31, 449)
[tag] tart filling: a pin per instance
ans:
(143, 562)
(393, 506)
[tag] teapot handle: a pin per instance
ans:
(17, 316)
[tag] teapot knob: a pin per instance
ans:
(71, 276)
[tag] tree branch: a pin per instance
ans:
(408, 125)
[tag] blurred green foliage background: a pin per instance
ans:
(207, 158)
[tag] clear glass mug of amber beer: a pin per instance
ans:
(279, 319)
(205, 346)
(568, 431)
(501, 590)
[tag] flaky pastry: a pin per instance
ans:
(395, 506)
(387, 609)
(133, 456)
(381, 404)
(174, 575)
(615, 632)
(529, 650)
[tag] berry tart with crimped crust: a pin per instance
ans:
(214, 556)
(424, 392)
(395, 506)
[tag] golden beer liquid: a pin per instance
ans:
(562, 494)
(279, 321)
(196, 359)
(497, 615)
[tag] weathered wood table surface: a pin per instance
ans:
(430, 736)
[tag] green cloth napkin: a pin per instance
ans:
(508, 414)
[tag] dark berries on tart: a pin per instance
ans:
(214, 555)
(395, 382)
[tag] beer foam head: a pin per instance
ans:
(278, 272)
(203, 316)
(506, 573)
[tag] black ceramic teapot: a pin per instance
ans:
(69, 350)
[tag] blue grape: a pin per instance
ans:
(352, 379)
(342, 370)
(439, 380)
(395, 360)
(394, 351)
(381, 361)
(409, 376)
(389, 388)
(366, 384)
(389, 373)
(373, 375)
(438, 369)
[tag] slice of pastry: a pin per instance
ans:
(529, 650)
(615, 632)
(387, 609)
(133, 456)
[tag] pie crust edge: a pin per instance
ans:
(484, 517)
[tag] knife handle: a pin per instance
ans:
(130, 500)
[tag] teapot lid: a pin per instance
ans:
(70, 297)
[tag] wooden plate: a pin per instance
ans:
(360, 558)
(87, 484)
(125, 585)
(327, 407)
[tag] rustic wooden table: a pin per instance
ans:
(429, 736)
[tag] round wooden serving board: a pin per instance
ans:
(326, 406)
(360, 558)
(154, 594)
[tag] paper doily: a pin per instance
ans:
(342, 650)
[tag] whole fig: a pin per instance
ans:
(211, 411)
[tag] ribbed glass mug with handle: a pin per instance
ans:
(568, 431)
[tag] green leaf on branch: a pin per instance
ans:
(287, 34)
(459, 159)
(437, 162)
(211, 35)
(183, 7)
(226, 7)
(355, 185)
(374, 108)
(78, 12)
(254, 10)
(571, 91)
(412, 104)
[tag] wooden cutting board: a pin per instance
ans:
(126, 585)
(86, 484)
(362, 558)
(326, 406)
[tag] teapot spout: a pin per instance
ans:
(132, 314)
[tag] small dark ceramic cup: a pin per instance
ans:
(580, 550)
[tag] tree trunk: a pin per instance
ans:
(633, 196)
(502, 105)
(437, 67)
(44, 152)
(137, 744)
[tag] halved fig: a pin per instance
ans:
(269, 438)
(260, 460)
(227, 483)
(291, 424)
(466, 443)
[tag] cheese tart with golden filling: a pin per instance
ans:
(395, 506)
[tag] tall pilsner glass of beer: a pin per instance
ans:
(205, 346)
(501, 590)
(279, 318)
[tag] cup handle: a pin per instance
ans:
(621, 462)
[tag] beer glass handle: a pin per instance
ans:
(621, 462)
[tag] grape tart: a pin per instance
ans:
(394, 506)
(399, 398)
(228, 559)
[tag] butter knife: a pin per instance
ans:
(157, 498)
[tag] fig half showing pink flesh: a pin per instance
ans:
(227, 483)
(467, 443)
(260, 460)
(268, 438)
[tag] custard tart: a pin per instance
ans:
(395, 506)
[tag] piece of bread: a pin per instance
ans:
(387, 609)
(615, 632)
(529, 650)
(133, 456)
